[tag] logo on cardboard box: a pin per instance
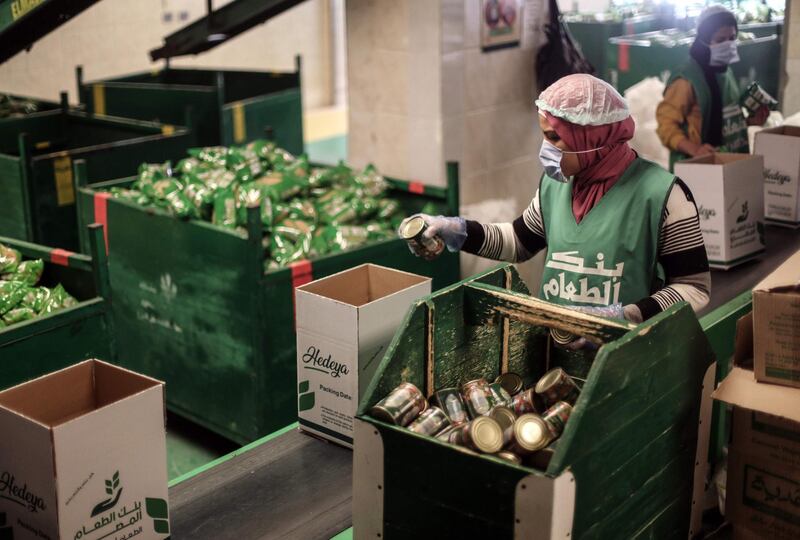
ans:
(115, 523)
(315, 360)
(771, 176)
(12, 490)
(706, 213)
(771, 494)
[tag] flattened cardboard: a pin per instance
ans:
(763, 487)
(729, 195)
(776, 316)
(781, 150)
(345, 322)
(85, 457)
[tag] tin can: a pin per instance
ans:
(444, 435)
(478, 397)
(412, 231)
(510, 456)
(556, 386)
(451, 402)
(499, 394)
(531, 434)
(483, 434)
(401, 406)
(556, 417)
(525, 402)
(511, 382)
(561, 337)
(755, 97)
(541, 459)
(430, 422)
(506, 418)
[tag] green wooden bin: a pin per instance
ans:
(633, 58)
(225, 107)
(623, 467)
(194, 307)
(36, 153)
(39, 346)
(42, 107)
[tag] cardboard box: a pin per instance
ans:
(83, 456)
(776, 309)
(781, 150)
(345, 323)
(763, 487)
(729, 194)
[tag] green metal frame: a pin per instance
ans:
(36, 156)
(224, 107)
(631, 59)
(196, 309)
(23, 23)
(632, 456)
(39, 346)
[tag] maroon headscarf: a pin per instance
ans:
(601, 169)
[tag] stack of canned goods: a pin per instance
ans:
(500, 418)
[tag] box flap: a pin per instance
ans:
(363, 284)
(720, 158)
(740, 388)
(785, 279)
(788, 131)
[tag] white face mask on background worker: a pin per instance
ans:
(723, 54)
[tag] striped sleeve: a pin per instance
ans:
(517, 241)
(682, 254)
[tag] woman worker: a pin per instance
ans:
(700, 112)
(622, 234)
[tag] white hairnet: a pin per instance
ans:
(583, 100)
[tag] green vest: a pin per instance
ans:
(611, 256)
(734, 126)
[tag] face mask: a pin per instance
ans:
(723, 54)
(550, 155)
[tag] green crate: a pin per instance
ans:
(36, 155)
(592, 36)
(632, 59)
(51, 342)
(624, 465)
(224, 107)
(43, 106)
(194, 307)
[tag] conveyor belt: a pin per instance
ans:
(292, 486)
(296, 486)
(726, 285)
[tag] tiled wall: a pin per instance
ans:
(114, 37)
(423, 92)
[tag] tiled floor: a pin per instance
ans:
(189, 446)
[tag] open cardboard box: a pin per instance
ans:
(344, 325)
(83, 455)
(763, 487)
(729, 193)
(780, 147)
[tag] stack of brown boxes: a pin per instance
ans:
(763, 488)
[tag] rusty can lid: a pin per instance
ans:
(486, 434)
(549, 379)
(511, 382)
(381, 413)
(531, 432)
(412, 227)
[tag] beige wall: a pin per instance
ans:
(114, 37)
(791, 89)
(422, 92)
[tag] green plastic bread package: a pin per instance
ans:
(305, 211)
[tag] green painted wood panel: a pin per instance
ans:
(196, 310)
(274, 115)
(12, 215)
(630, 442)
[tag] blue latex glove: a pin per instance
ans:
(452, 230)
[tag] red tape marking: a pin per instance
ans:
(416, 187)
(60, 256)
(624, 62)
(302, 273)
(101, 213)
